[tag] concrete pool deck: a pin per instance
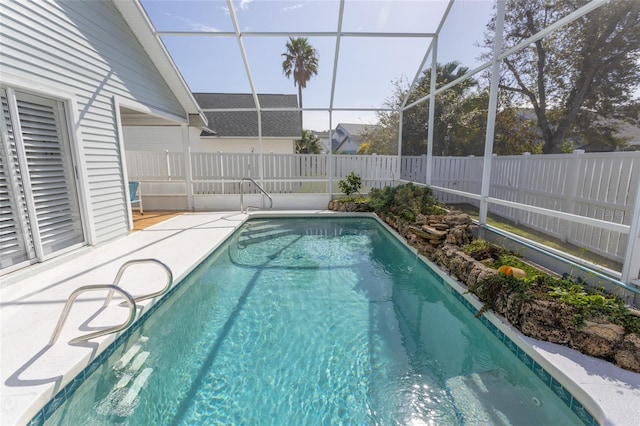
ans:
(31, 301)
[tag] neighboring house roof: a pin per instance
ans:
(245, 123)
(632, 133)
(137, 19)
(354, 129)
(348, 134)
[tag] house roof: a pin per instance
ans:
(245, 123)
(352, 132)
(354, 129)
(137, 20)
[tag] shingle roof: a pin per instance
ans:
(245, 123)
(354, 129)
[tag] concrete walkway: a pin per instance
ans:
(31, 301)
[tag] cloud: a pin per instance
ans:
(295, 6)
(193, 25)
(244, 4)
(196, 26)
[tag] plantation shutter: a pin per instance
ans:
(16, 244)
(39, 207)
(51, 173)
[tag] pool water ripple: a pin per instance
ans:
(324, 322)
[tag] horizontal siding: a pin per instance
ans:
(153, 138)
(86, 48)
(137, 138)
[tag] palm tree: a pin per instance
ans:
(301, 60)
(309, 144)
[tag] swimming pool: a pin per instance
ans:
(313, 321)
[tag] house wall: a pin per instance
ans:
(348, 147)
(170, 138)
(85, 51)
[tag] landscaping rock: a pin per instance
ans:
(421, 219)
(593, 345)
(348, 206)
(611, 332)
(434, 233)
(628, 356)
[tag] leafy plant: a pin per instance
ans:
(351, 184)
(586, 304)
(491, 288)
(590, 305)
(481, 250)
(309, 144)
(405, 201)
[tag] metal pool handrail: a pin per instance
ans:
(257, 186)
(113, 288)
(160, 292)
(74, 295)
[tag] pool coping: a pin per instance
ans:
(531, 351)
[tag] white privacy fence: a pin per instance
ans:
(599, 186)
(214, 173)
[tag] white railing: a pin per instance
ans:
(215, 173)
(599, 186)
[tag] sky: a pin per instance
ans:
(366, 68)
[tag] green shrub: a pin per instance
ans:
(481, 250)
(405, 201)
(587, 304)
(351, 184)
(492, 287)
(592, 304)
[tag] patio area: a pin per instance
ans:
(99, 92)
(150, 218)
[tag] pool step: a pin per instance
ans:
(259, 233)
(130, 354)
(123, 397)
(130, 399)
(488, 398)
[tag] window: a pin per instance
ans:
(39, 207)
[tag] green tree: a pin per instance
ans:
(450, 107)
(589, 66)
(309, 144)
(381, 139)
(515, 130)
(301, 61)
(460, 121)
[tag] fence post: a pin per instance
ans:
(522, 178)
(571, 188)
(221, 171)
(168, 161)
(187, 164)
(631, 265)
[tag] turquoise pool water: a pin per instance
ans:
(313, 322)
